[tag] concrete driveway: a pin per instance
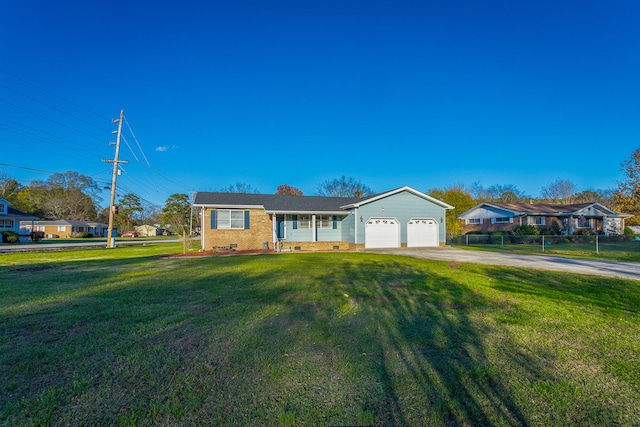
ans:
(626, 270)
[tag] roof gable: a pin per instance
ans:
(370, 199)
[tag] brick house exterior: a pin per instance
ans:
(577, 218)
(66, 228)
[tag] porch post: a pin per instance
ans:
(313, 228)
(570, 224)
(274, 235)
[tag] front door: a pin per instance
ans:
(280, 227)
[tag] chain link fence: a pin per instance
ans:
(549, 243)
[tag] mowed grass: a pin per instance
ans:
(120, 337)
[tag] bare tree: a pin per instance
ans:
(8, 186)
(560, 191)
(344, 187)
(508, 193)
(239, 187)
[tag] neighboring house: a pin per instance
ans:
(64, 228)
(576, 218)
(10, 219)
(149, 230)
(400, 217)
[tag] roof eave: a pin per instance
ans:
(296, 212)
(227, 206)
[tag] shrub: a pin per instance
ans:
(10, 237)
(525, 230)
(555, 228)
(82, 235)
(496, 237)
(628, 232)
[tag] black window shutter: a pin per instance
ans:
(246, 220)
(295, 222)
(335, 222)
(214, 218)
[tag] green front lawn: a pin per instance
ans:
(122, 337)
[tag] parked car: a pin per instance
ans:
(129, 234)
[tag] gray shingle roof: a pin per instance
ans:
(274, 203)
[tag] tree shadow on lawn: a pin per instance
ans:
(411, 339)
(429, 347)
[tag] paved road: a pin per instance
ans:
(32, 247)
(627, 270)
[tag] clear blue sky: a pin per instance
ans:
(420, 93)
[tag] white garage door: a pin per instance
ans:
(422, 232)
(382, 233)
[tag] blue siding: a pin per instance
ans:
(347, 228)
(297, 234)
(402, 206)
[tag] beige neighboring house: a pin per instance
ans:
(149, 230)
(65, 227)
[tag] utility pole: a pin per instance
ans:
(115, 161)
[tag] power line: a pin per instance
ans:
(53, 94)
(51, 120)
(43, 139)
(54, 108)
(136, 140)
(27, 168)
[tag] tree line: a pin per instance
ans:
(74, 196)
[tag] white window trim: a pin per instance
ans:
(322, 218)
(228, 223)
(472, 221)
(503, 220)
(304, 222)
(531, 220)
(589, 223)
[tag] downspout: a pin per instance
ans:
(355, 227)
(444, 228)
(202, 228)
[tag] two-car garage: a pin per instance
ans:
(386, 232)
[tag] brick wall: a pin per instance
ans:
(315, 246)
(260, 231)
(486, 227)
